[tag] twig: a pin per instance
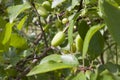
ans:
(102, 58)
(39, 37)
(44, 53)
(80, 6)
(39, 23)
(102, 54)
(27, 69)
(108, 47)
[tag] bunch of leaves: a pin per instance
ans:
(59, 39)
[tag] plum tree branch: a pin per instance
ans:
(28, 68)
(80, 6)
(39, 23)
(102, 54)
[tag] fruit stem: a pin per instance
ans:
(66, 28)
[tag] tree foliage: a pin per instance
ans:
(59, 39)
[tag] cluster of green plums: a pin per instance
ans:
(60, 36)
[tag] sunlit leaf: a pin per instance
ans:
(70, 32)
(14, 11)
(88, 37)
(53, 57)
(18, 41)
(56, 3)
(97, 40)
(80, 76)
(7, 33)
(21, 23)
(93, 76)
(70, 60)
(75, 2)
(111, 15)
(47, 67)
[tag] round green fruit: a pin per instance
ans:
(46, 5)
(58, 39)
(42, 11)
(79, 43)
(64, 20)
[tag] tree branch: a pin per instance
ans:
(80, 6)
(28, 68)
(39, 23)
(102, 54)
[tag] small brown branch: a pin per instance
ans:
(22, 62)
(39, 23)
(23, 73)
(80, 6)
(102, 58)
(44, 53)
(39, 37)
(102, 54)
(28, 68)
(109, 46)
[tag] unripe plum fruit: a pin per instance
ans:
(58, 39)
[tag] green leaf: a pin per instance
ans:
(93, 76)
(4, 48)
(2, 26)
(55, 3)
(52, 57)
(70, 60)
(70, 32)
(80, 76)
(46, 67)
(14, 11)
(106, 75)
(82, 28)
(44, 76)
(2, 23)
(74, 3)
(21, 23)
(118, 1)
(96, 45)
(18, 41)
(111, 15)
(88, 37)
(89, 2)
(111, 67)
(1, 47)
(2, 71)
(76, 15)
(6, 33)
